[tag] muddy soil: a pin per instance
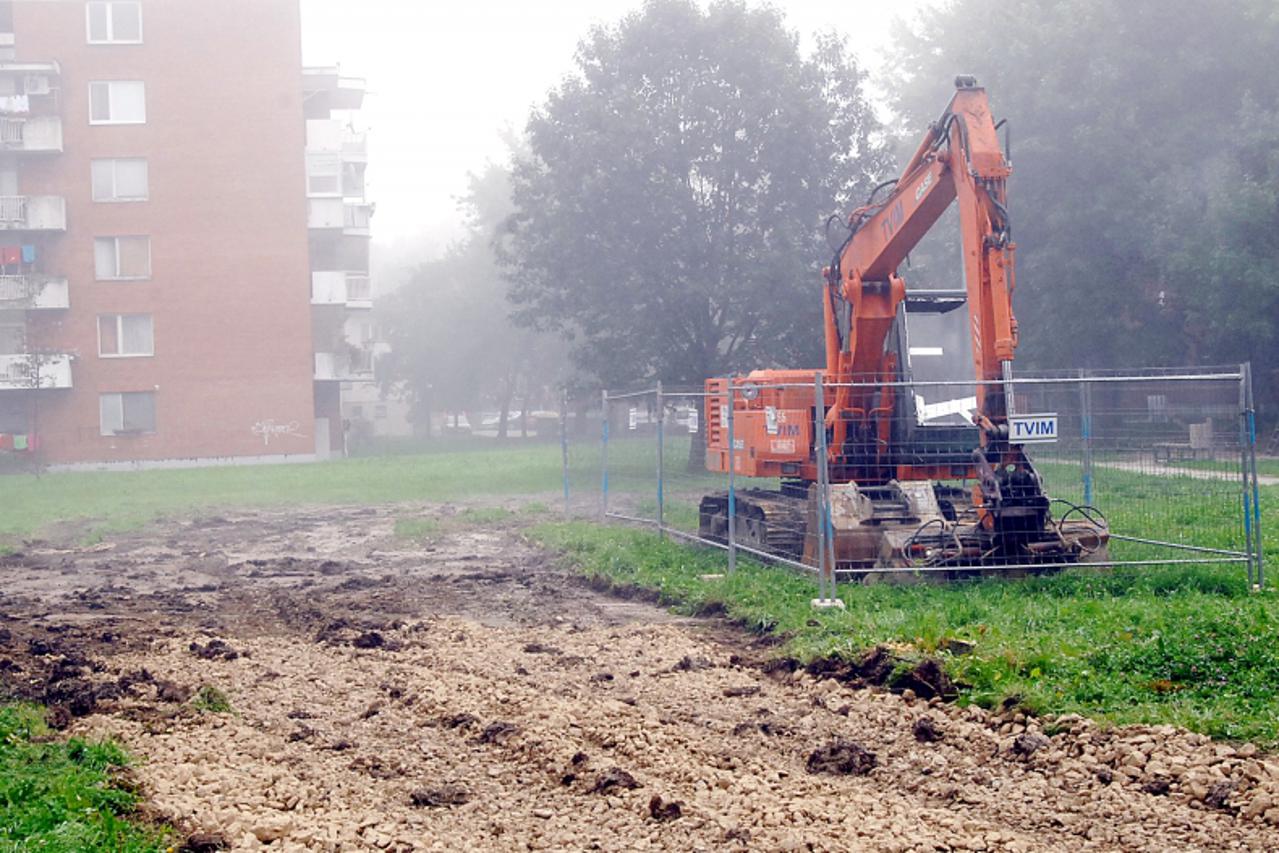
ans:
(465, 693)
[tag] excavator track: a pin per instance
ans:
(898, 527)
(767, 521)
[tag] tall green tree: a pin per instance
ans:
(1144, 188)
(669, 212)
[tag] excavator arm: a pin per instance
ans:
(959, 160)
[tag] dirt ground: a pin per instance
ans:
(465, 693)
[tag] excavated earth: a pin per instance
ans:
(465, 693)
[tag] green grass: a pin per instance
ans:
(418, 528)
(101, 503)
(1187, 645)
(211, 700)
(486, 515)
(61, 796)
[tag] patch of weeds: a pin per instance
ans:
(64, 796)
(485, 515)
(211, 700)
(417, 528)
(536, 508)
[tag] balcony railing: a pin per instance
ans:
(357, 219)
(355, 146)
(31, 371)
(351, 289)
(33, 213)
(40, 134)
(352, 217)
(348, 366)
(335, 136)
(33, 292)
(359, 291)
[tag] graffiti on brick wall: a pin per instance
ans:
(271, 428)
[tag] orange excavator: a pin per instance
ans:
(912, 484)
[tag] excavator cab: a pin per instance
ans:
(932, 425)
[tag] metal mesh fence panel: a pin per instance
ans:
(1136, 470)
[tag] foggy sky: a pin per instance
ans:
(445, 77)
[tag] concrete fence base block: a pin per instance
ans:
(828, 604)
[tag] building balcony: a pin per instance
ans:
(327, 176)
(357, 219)
(351, 365)
(34, 87)
(29, 371)
(33, 213)
(33, 292)
(336, 137)
(351, 289)
(355, 147)
(350, 217)
(40, 134)
(328, 90)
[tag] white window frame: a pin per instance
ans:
(108, 6)
(109, 84)
(119, 336)
(115, 198)
(119, 404)
(116, 238)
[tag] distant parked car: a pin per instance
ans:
(455, 425)
(494, 421)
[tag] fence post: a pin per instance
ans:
(604, 456)
(661, 424)
(1251, 410)
(819, 453)
(825, 530)
(564, 446)
(1244, 472)
(1085, 432)
(732, 482)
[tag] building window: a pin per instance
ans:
(379, 412)
(117, 102)
(120, 180)
(124, 335)
(114, 22)
(130, 413)
(117, 258)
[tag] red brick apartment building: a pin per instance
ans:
(170, 176)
